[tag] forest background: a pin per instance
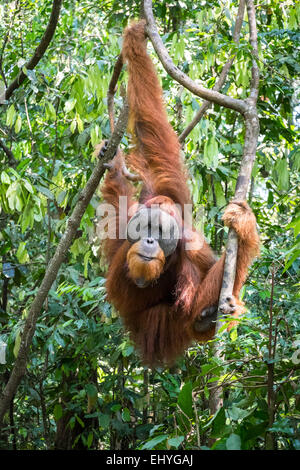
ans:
(84, 386)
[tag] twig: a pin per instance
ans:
(29, 124)
(196, 420)
(19, 368)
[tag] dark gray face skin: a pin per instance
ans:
(153, 227)
(149, 247)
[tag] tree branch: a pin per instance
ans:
(55, 263)
(111, 113)
(181, 77)
(112, 90)
(270, 438)
(246, 107)
(254, 86)
(9, 154)
(39, 52)
(223, 75)
(249, 153)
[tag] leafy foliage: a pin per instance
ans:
(85, 386)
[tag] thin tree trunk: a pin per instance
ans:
(270, 437)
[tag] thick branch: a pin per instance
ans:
(249, 153)
(181, 77)
(241, 189)
(40, 50)
(55, 263)
(223, 75)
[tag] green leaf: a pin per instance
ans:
(80, 421)
(22, 254)
(233, 334)
(86, 263)
(96, 135)
(219, 427)
(237, 414)
(127, 351)
(60, 198)
(51, 110)
(79, 123)
(90, 439)
(58, 339)
(10, 116)
(296, 160)
(176, 441)
(27, 219)
(126, 415)
(11, 195)
(69, 105)
(73, 126)
(185, 400)
(45, 191)
(233, 442)
(104, 421)
(155, 428)
(210, 155)
(30, 74)
(18, 124)
(57, 412)
(17, 343)
(219, 192)
(290, 260)
(282, 174)
(18, 202)
(116, 407)
(153, 443)
(91, 390)
(5, 178)
(28, 186)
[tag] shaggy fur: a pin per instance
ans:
(148, 270)
(160, 317)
